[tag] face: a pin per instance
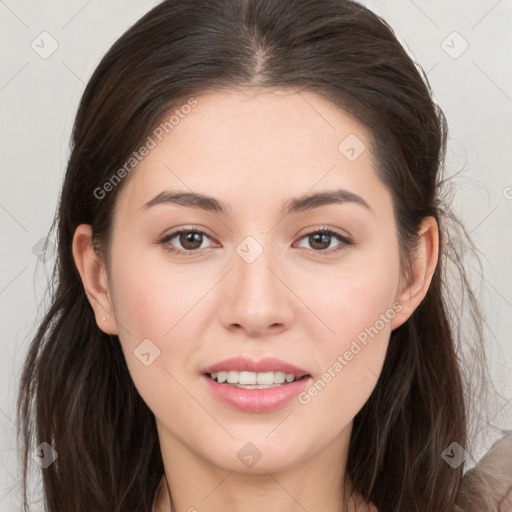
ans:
(258, 272)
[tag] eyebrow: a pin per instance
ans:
(299, 204)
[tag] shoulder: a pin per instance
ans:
(487, 483)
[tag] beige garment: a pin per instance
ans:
(484, 487)
(487, 487)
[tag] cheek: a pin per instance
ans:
(350, 298)
(151, 299)
(159, 325)
(357, 304)
(366, 305)
(350, 362)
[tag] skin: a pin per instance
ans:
(254, 151)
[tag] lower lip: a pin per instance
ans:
(256, 400)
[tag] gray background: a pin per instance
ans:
(39, 97)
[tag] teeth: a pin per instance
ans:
(252, 378)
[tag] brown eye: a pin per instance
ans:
(184, 241)
(322, 240)
(190, 240)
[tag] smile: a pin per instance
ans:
(253, 380)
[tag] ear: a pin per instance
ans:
(94, 276)
(423, 264)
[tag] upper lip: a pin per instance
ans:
(268, 364)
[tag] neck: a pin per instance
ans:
(196, 484)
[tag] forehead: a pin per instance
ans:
(266, 141)
(266, 116)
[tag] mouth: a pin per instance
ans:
(255, 380)
(255, 392)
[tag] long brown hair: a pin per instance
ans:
(76, 392)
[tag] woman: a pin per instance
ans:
(251, 307)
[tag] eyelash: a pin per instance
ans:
(345, 241)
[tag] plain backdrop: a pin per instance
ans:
(464, 46)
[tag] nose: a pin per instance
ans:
(256, 296)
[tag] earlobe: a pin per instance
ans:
(423, 265)
(94, 277)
